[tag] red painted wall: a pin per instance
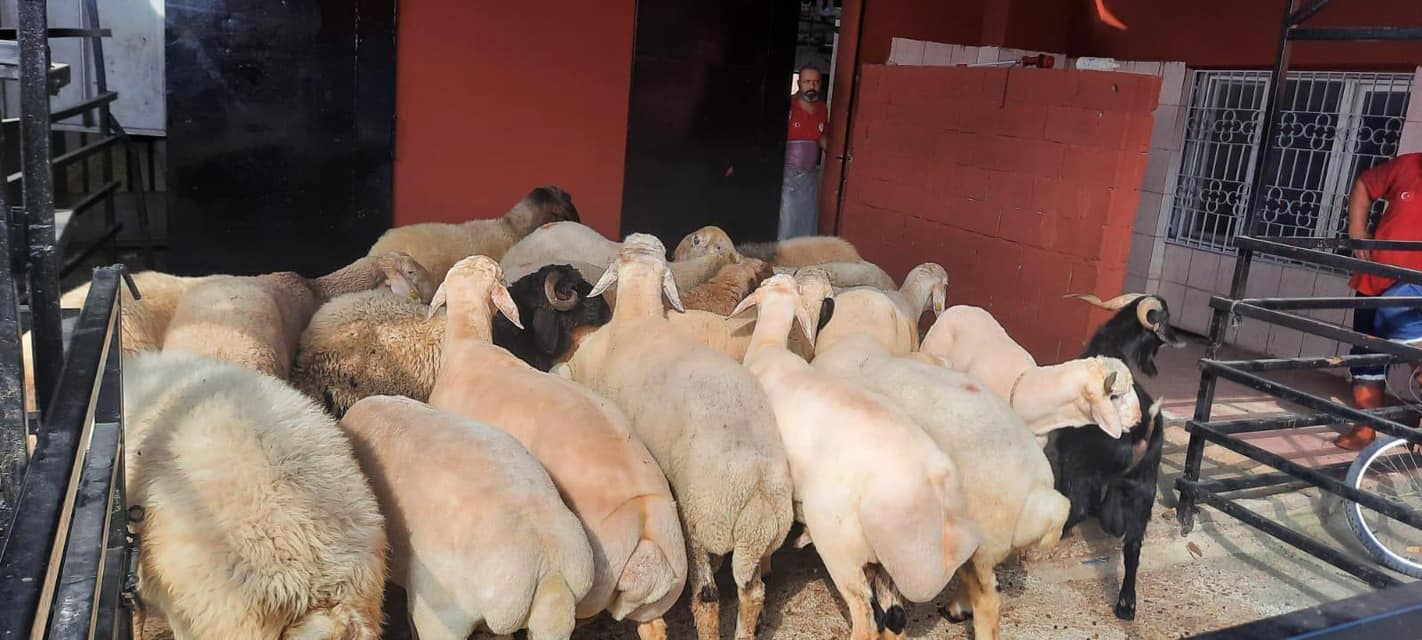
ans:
(957, 22)
(1023, 184)
(495, 98)
(1241, 33)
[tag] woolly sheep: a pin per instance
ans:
(1095, 390)
(728, 287)
(875, 492)
(257, 522)
(890, 316)
(803, 251)
(257, 321)
(371, 343)
(478, 533)
(438, 245)
(602, 470)
(844, 274)
(983, 436)
(706, 421)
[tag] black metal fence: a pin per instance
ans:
(65, 564)
(1352, 620)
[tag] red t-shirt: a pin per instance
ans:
(1399, 181)
(805, 125)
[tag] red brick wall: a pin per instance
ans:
(1023, 184)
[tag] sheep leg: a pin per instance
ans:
(705, 601)
(652, 630)
(959, 608)
(1138, 509)
(981, 584)
(751, 600)
(854, 588)
(430, 621)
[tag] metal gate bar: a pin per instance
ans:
(1395, 421)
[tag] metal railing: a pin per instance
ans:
(66, 557)
(1259, 235)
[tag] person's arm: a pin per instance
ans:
(1360, 204)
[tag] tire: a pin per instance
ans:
(1384, 446)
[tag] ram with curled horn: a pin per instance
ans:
(1150, 313)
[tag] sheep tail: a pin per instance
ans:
(1043, 514)
(889, 614)
(550, 617)
(650, 580)
(759, 529)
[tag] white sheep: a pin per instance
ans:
(257, 522)
(257, 321)
(844, 274)
(732, 335)
(890, 316)
(706, 421)
(602, 470)
(875, 492)
(803, 251)
(478, 533)
(1096, 390)
(438, 245)
(1006, 479)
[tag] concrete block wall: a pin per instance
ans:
(1186, 277)
(1023, 183)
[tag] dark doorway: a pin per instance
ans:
(706, 121)
(280, 133)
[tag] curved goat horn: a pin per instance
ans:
(550, 289)
(1149, 304)
(1113, 304)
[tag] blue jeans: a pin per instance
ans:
(1398, 324)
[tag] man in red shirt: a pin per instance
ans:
(1399, 182)
(805, 137)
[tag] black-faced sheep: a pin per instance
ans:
(1114, 480)
(373, 343)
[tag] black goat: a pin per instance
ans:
(1112, 479)
(551, 303)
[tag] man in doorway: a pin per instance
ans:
(805, 138)
(1399, 183)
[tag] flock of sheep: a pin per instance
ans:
(525, 424)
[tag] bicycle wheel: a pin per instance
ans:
(1392, 469)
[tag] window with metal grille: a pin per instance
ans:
(1332, 126)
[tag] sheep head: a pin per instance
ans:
(642, 256)
(541, 206)
(934, 277)
(1109, 397)
(556, 299)
(707, 240)
(1137, 331)
(472, 279)
(405, 276)
(780, 289)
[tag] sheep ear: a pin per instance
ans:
(609, 277)
(1110, 383)
(501, 299)
(436, 302)
(1106, 416)
(745, 303)
(940, 300)
(802, 314)
(669, 288)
